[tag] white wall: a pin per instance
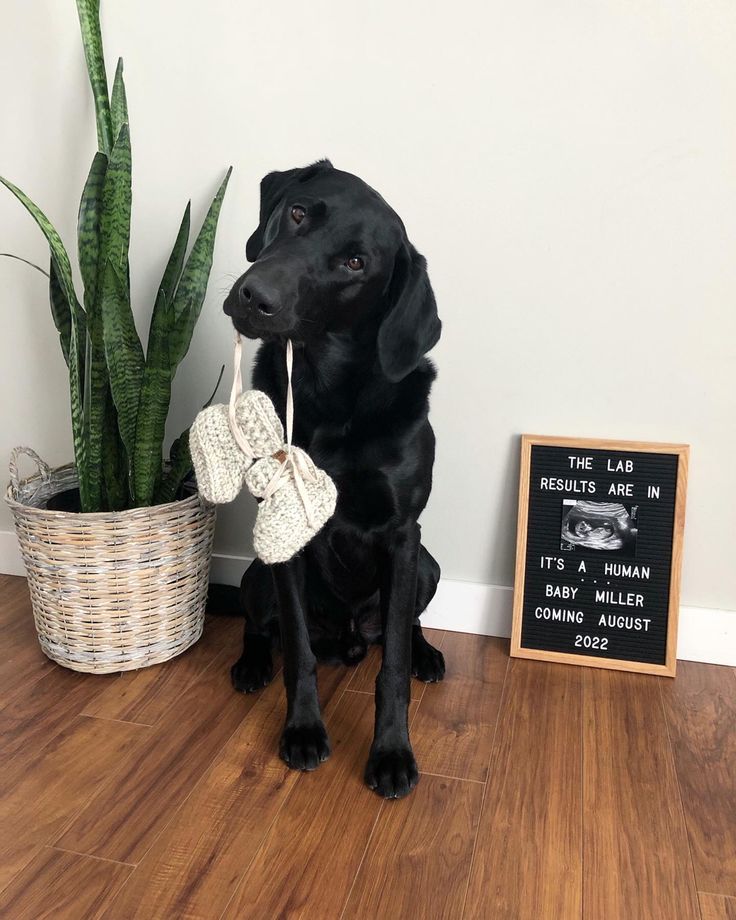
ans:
(569, 170)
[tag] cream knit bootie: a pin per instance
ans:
(297, 498)
(282, 527)
(219, 463)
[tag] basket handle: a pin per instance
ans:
(43, 468)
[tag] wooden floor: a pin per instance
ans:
(547, 791)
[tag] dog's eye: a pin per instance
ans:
(297, 213)
(355, 263)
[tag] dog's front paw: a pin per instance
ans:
(304, 747)
(254, 669)
(392, 774)
(427, 662)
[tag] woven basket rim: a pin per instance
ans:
(13, 502)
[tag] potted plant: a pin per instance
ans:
(118, 578)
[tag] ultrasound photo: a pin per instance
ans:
(605, 526)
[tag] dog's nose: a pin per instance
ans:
(253, 295)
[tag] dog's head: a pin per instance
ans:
(329, 255)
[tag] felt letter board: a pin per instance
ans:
(598, 552)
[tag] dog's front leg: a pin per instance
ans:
(304, 744)
(392, 769)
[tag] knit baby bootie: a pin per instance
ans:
(283, 525)
(219, 463)
(243, 442)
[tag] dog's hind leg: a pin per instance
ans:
(254, 669)
(427, 662)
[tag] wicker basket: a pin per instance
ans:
(112, 591)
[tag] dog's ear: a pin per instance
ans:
(411, 325)
(273, 187)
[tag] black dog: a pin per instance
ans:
(334, 272)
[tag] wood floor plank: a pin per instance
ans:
(39, 798)
(700, 706)
(716, 906)
(528, 856)
(418, 859)
(145, 695)
(22, 661)
(16, 618)
(62, 886)
(637, 858)
(311, 854)
(125, 817)
(18, 857)
(193, 868)
(583, 817)
(44, 708)
(455, 723)
(14, 600)
(364, 675)
(25, 667)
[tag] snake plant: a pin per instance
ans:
(119, 394)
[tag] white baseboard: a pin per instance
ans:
(10, 559)
(707, 634)
(704, 634)
(228, 570)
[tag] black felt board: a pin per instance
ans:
(598, 558)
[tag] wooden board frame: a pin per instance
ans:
(678, 526)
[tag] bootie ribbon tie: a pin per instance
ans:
(235, 392)
(294, 464)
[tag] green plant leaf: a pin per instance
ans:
(76, 384)
(88, 228)
(59, 306)
(180, 465)
(168, 342)
(192, 286)
(152, 411)
(89, 20)
(219, 381)
(172, 273)
(62, 315)
(123, 354)
(95, 396)
(114, 460)
(156, 388)
(70, 321)
(114, 236)
(118, 101)
(9, 255)
(180, 459)
(59, 256)
(115, 210)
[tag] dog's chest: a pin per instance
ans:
(365, 498)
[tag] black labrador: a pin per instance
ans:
(333, 271)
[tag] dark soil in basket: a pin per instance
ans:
(65, 501)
